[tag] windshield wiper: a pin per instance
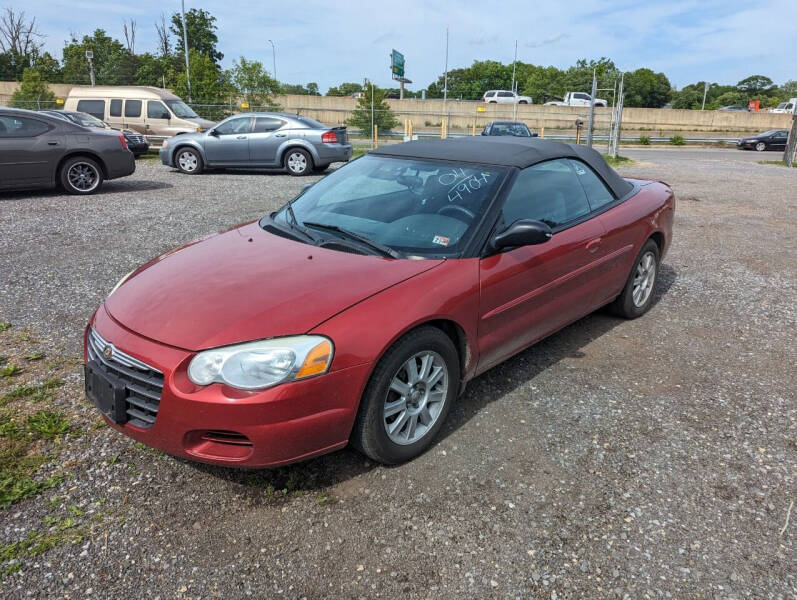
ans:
(293, 223)
(382, 249)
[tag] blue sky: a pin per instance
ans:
(330, 42)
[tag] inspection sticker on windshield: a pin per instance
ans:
(441, 240)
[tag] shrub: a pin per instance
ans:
(644, 140)
(677, 140)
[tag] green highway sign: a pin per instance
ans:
(397, 63)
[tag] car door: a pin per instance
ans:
(505, 97)
(622, 231)
(229, 142)
(134, 116)
(265, 140)
(528, 292)
(29, 151)
(778, 140)
(157, 118)
(115, 118)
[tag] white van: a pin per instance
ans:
(148, 110)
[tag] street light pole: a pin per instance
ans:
(445, 77)
(274, 58)
(185, 49)
(90, 57)
(514, 64)
(705, 91)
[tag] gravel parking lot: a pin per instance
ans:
(653, 458)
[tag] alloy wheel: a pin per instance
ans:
(760, 146)
(83, 176)
(416, 397)
(644, 279)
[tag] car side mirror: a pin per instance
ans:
(524, 232)
(213, 132)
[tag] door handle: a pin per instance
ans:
(52, 143)
(241, 137)
(593, 246)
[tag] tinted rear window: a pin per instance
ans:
(116, 108)
(96, 108)
(13, 126)
(311, 123)
(133, 108)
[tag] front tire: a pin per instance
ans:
(188, 161)
(637, 296)
(408, 397)
(760, 146)
(81, 175)
(298, 162)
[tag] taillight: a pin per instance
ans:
(123, 140)
(330, 137)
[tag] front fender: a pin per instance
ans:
(293, 143)
(175, 143)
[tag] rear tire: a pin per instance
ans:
(188, 161)
(408, 397)
(298, 162)
(81, 175)
(637, 296)
(760, 146)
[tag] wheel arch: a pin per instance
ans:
(658, 237)
(297, 143)
(186, 144)
(86, 153)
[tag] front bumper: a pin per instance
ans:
(165, 156)
(220, 425)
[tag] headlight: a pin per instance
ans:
(120, 282)
(263, 364)
(165, 144)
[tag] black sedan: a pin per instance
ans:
(41, 151)
(514, 128)
(136, 143)
(774, 139)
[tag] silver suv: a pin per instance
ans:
(504, 97)
(299, 144)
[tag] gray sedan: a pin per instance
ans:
(299, 144)
(40, 151)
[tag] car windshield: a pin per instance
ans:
(181, 109)
(516, 129)
(86, 120)
(782, 105)
(417, 207)
(770, 132)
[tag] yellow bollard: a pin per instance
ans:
(376, 135)
(542, 132)
(409, 121)
(578, 135)
(473, 129)
(443, 129)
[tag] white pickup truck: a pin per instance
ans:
(789, 107)
(577, 99)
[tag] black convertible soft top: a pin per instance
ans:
(508, 152)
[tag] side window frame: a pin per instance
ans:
(93, 114)
(602, 207)
(140, 108)
(48, 127)
(113, 103)
(249, 130)
(163, 105)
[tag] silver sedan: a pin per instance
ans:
(299, 144)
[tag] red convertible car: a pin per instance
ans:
(357, 312)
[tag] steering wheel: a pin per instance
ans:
(456, 208)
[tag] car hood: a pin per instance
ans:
(246, 284)
(203, 123)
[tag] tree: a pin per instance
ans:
(645, 88)
(208, 84)
(164, 41)
(543, 83)
(755, 85)
(383, 117)
(345, 89)
(32, 89)
(252, 81)
(788, 89)
(19, 41)
(201, 29)
(113, 63)
(153, 70)
(470, 83)
(311, 89)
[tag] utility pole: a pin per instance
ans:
(514, 64)
(185, 49)
(445, 77)
(591, 120)
(791, 144)
(274, 58)
(705, 91)
(90, 57)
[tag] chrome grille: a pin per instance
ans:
(143, 383)
(135, 139)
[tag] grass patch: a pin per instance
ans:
(778, 163)
(619, 161)
(10, 370)
(47, 424)
(59, 532)
(34, 356)
(37, 393)
(359, 152)
(677, 140)
(5, 325)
